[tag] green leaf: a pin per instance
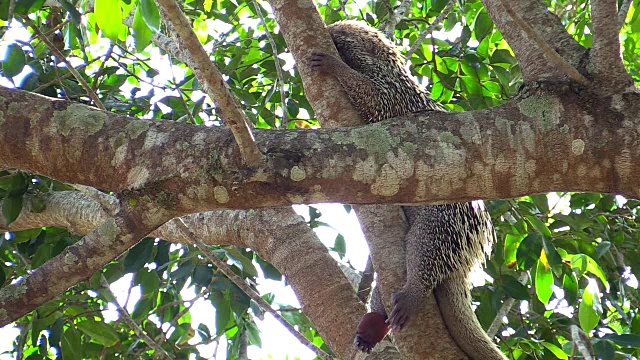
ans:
(11, 208)
(108, 15)
(586, 263)
(71, 344)
(503, 56)
(292, 108)
(482, 25)
(557, 352)
(340, 245)
(539, 225)
(528, 250)
(141, 33)
(269, 271)
(3, 276)
(223, 311)
(24, 7)
(511, 243)
(626, 340)
(550, 250)
(139, 255)
(142, 308)
(202, 275)
(590, 308)
(14, 61)
(241, 261)
(514, 288)
(150, 14)
(570, 287)
(162, 259)
(543, 282)
(42, 255)
(253, 334)
(99, 331)
(149, 283)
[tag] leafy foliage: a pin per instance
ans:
(577, 255)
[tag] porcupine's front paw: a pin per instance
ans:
(323, 62)
(403, 308)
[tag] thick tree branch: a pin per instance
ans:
(278, 235)
(533, 63)
(251, 293)
(77, 262)
(553, 56)
(213, 83)
(421, 158)
(303, 16)
(196, 62)
(384, 226)
(605, 59)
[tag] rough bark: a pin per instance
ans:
(277, 234)
(533, 63)
(384, 226)
(542, 141)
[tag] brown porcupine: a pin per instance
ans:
(444, 241)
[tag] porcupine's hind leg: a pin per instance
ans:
(436, 246)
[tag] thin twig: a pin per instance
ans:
(240, 283)
(63, 58)
(124, 315)
(364, 288)
(12, 7)
(395, 17)
(581, 343)
(429, 29)
(274, 49)
(98, 73)
(213, 83)
(551, 54)
(622, 12)
(504, 310)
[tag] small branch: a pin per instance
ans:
(243, 344)
(504, 310)
(364, 288)
(389, 26)
(276, 61)
(581, 343)
(623, 11)
(551, 54)
(108, 202)
(430, 28)
(12, 7)
(605, 60)
(124, 315)
(63, 58)
(239, 282)
(213, 83)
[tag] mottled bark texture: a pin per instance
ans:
(544, 140)
(277, 234)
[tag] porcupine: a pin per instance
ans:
(444, 241)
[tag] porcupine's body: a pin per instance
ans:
(444, 241)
